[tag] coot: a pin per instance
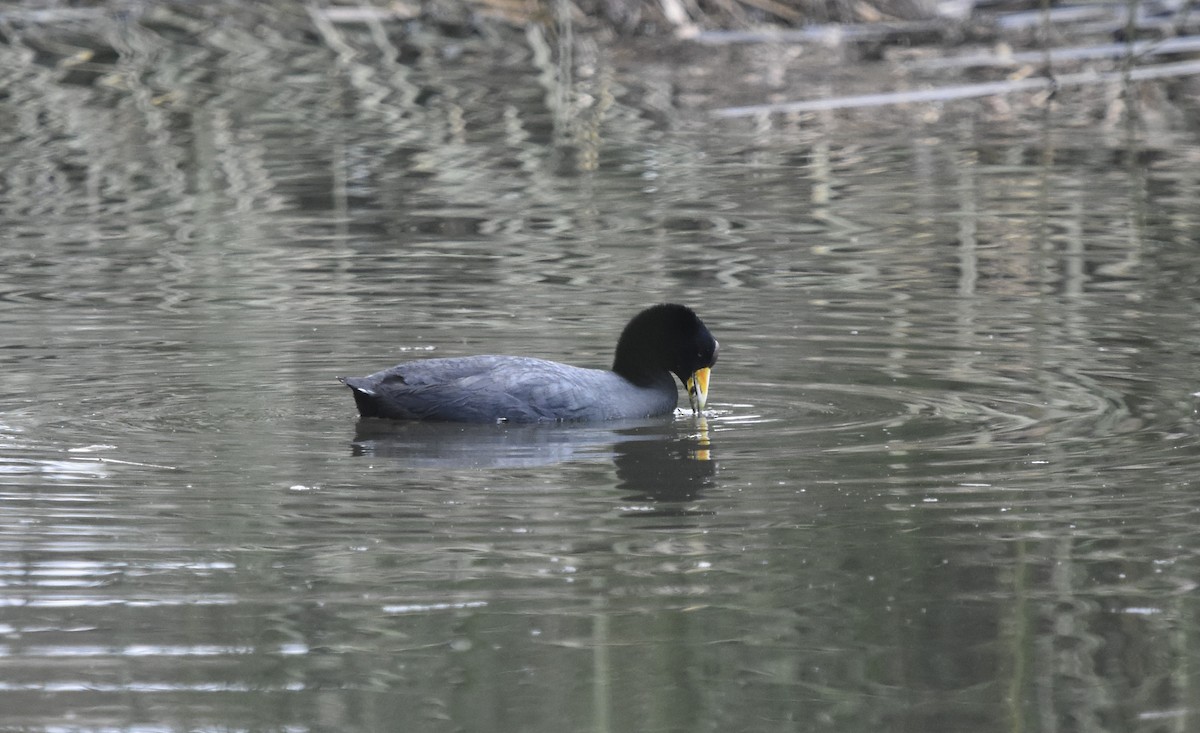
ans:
(658, 342)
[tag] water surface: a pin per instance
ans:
(946, 480)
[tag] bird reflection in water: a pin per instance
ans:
(663, 463)
(668, 473)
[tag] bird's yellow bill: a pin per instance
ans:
(697, 387)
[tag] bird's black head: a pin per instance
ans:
(665, 337)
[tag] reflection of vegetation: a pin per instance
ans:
(234, 163)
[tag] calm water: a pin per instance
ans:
(947, 481)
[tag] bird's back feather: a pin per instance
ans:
(513, 388)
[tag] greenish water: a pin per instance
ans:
(947, 480)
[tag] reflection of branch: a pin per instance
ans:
(1141, 49)
(830, 34)
(965, 91)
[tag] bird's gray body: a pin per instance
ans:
(510, 388)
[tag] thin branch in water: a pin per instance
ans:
(100, 459)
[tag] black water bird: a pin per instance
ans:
(658, 342)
